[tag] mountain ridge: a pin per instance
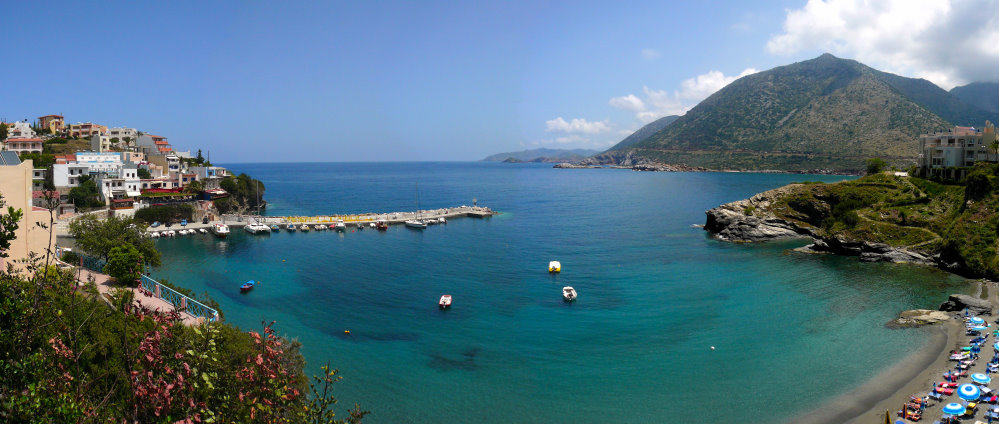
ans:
(825, 113)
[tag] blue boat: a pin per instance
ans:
(183, 223)
(247, 286)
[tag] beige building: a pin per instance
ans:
(54, 123)
(960, 147)
(15, 186)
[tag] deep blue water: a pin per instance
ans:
(790, 330)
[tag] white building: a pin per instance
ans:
(67, 175)
(209, 176)
(125, 185)
(93, 164)
(20, 130)
(957, 148)
(123, 134)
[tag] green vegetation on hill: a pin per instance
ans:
(245, 195)
(958, 222)
(824, 113)
(69, 354)
(646, 131)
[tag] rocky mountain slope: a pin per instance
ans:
(984, 95)
(825, 113)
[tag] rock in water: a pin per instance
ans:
(976, 306)
(918, 318)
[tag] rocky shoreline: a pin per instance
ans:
(749, 221)
(667, 167)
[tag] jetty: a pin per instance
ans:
(356, 220)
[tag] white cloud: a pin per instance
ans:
(659, 103)
(949, 42)
(577, 126)
(650, 54)
(630, 102)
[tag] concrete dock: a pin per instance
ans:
(354, 220)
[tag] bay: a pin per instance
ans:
(655, 293)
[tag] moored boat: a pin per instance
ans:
(305, 228)
(568, 293)
(247, 286)
(202, 231)
(339, 225)
(554, 266)
(154, 234)
(274, 227)
(291, 228)
(220, 229)
(445, 301)
(441, 220)
(381, 226)
(372, 225)
(416, 224)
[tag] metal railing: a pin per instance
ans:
(178, 300)
(171, 296)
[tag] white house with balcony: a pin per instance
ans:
(20, 130)
(959, 147)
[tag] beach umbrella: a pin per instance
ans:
(977, 320)
(953, 409)
(980, 378)
(969, 392)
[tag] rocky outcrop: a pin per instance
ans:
(918, 318)
(976, 306)
(749, 220)
(568, 165)
(872, 252)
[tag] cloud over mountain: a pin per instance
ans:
(949, 42)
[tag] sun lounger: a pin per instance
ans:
(937, 396)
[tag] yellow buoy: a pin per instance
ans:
(346, 331)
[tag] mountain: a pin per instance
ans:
(984, 95)
(821, 114)
(542, 155)
(646, 131)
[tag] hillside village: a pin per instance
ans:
(120, 169)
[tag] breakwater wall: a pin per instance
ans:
(391, 218)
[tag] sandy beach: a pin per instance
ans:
(891, 388)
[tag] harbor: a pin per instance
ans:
(352, 220)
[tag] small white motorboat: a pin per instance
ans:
(554, 266)
(305, 228)
(320, 227)
(340, 226)
(202, 231)
(220, 230)
(568, 293)
(154, 235)
(372, 224)
(445, 301)
(441, 220)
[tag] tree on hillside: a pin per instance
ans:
(200, 159)
(193, 187)
(994, 145)
(8, 225)
(97, 237)
(3, 131)
(144, 173)
(876, 166)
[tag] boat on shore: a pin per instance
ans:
(445, 301)
(220, 230)
(568, 293)
(554, 267)
(247, 286)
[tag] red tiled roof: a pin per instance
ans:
(161, 142)
(39, 194)
(11, 140)
(165, 149)
(50, 116)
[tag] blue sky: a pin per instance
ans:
(397, 81)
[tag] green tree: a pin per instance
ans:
(3, 131)
(144, 174)
(39, 160)
(994, 145)
(876, 166)
(194, 187)
(200, 159)
(8, 225)
(124, 264)
(86, 194)
(97, 237)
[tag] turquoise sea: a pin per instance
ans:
(655, 293)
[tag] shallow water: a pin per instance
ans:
(790, 330)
